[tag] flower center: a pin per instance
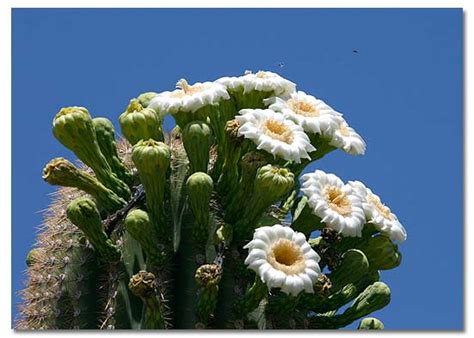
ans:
(338, 201)
(344, 130)
(278, 130)
(261, 74)
(382, 209)
(186, 89)
(286, 256)
(303, 108)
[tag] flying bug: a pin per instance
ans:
(281, 64)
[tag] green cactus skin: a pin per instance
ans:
(139, 123)
(197, 140)
(199, 187)
(152, 159)
(370, 323)
(60, 171)
(353, 267)
(143, 285)
(381, 252)
(105, 133)
(73, 127)
(83, 213)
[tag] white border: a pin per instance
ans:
(5, 132)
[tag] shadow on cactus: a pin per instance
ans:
(213, 225)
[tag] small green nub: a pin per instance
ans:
(197, 140)
(139, 123)
(105, 133)
(370, 323)
(83, 213)
(34, 256)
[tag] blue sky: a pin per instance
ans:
(402, 91)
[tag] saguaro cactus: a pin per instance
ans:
(221, 224)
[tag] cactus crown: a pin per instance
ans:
(206, 227)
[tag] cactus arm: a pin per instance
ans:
(105, 133)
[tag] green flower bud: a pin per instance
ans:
(197, 140)
(199, 186)
(145, 98)
(73, 127)
(272, 183)
(152, 160)
(138, 225)
(105, 133)
(370, 323)
(144, 285)
(140, 123)
(381, 252)
(83, 213)
(373, 298)
(60, 171)
(353, 267)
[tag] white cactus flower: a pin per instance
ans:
(273, 133)
(334, 202)
(347, 139)
(379, 214)
(263, 81)
(314, 115)
(188, 98)
(283, 259)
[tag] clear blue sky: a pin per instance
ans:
(402, 91)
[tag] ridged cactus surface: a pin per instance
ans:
(217, 224)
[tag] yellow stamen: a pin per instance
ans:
(338, 200)
(261, 74)
(344, 130)
(134, 106)
(278, 130)
(303, 108)
(186, 89)
(383, 209)
(286, 256)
